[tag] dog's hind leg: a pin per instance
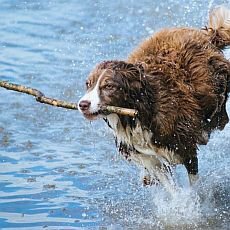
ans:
(193, 178)
(191, 164)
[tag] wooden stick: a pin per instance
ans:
(40, 97)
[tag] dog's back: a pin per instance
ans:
(168, 40)
(193, 60)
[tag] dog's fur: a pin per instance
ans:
(178, 80)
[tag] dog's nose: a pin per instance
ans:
(84, 105)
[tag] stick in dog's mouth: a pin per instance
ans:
(40, 97)
(106, 110)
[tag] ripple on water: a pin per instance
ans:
(59, 171)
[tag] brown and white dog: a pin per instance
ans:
(178, 80)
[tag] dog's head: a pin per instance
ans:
(110, 83)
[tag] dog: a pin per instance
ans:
(178, 80)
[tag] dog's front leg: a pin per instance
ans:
(157, 171)
(149, 180)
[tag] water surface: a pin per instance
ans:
(58, 171)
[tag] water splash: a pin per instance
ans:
(210, 5)
(205, 206)
(52, 176)
(182, 208)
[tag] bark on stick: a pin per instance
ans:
(40, 97)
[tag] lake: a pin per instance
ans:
(59, 171)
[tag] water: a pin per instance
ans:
(59, 171)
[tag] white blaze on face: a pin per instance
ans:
(93, 97)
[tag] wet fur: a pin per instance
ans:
(178, 80)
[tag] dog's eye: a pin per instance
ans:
(109, 86)
(88, 84)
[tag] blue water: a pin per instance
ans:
(59, 171)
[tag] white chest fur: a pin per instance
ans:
(141, 140)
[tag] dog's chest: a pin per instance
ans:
(133, 141)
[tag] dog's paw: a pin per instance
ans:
(148, 181)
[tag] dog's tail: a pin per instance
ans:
(219, 26)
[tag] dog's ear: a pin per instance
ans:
(129, 70)
(124, 69)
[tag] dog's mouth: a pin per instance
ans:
(100, 113)
(91, 116)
